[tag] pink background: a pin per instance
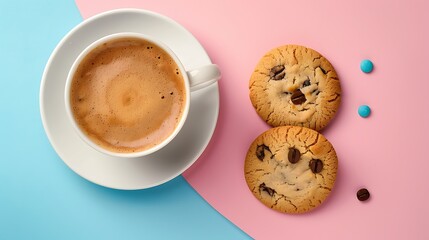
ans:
(385, 152)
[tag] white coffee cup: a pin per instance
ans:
(194, 79)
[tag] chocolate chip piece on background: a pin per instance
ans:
(363, 194)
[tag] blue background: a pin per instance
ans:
(40, 197)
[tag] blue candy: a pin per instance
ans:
(366, 66)
(364, 111)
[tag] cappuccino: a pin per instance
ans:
(127, 95)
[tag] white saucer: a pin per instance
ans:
(123, 173)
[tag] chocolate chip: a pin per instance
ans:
(260, 151)
(298, 97)
(306, 83)
(316, 165)
(277, 72)
(362, 194)
(294, 155)
(269, 190)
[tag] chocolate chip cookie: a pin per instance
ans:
(295, 85)
(291, 169)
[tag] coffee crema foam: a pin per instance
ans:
(127, 95)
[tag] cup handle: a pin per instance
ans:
(203, 76)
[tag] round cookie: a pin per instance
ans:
(295, 85)
(291, 169)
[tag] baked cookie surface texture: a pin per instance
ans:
(295, 85)
(291, 169)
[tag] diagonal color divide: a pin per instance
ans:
(386, 154)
